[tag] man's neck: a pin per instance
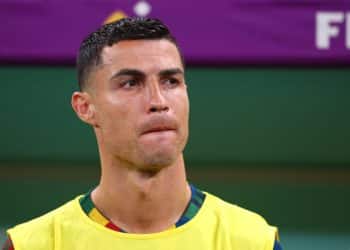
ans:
(141, 201)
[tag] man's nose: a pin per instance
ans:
(157, 101)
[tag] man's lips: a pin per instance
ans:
(159, 124)
(158, 129)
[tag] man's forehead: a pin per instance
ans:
(141, 53)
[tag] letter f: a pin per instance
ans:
(324, 28)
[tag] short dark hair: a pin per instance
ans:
(137, 28)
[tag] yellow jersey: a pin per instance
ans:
(217, 226)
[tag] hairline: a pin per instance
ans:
(98, 62)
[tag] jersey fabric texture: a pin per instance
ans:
(217, 225)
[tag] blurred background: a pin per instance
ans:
(269, 88)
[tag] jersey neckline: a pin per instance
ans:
(183, 224)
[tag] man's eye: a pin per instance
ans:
(129, 83)
(171, 81)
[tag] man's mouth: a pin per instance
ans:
(158, 130)
(158, 124)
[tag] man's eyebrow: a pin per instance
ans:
(167, 72)
(138, 73)
(128, 72)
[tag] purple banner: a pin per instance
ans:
(209, 32)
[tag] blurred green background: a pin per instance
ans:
(275, 140)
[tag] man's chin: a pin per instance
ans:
(157, 162)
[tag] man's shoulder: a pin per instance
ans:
(41, 227)
(242, 223)
(226, 208)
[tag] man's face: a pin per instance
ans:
(140, 103)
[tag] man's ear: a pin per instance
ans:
(85, 110)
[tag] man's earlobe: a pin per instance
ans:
(81, 104)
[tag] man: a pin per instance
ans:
(133, 93)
